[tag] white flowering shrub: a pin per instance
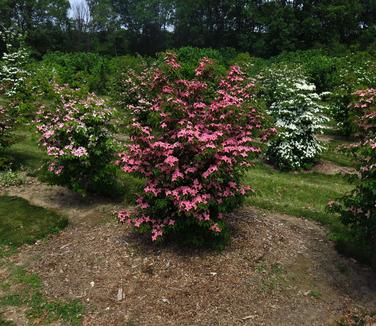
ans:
(298, 115)
(13, 73)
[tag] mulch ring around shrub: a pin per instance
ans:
(277, 269)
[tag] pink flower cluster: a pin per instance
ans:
(365, 98)
(202, 65)
(365, 105)
(6, 124)
(171, 61)
(4, 120)
(365, 110)
(68, 129)
(191, 142)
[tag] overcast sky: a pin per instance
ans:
(73, 2)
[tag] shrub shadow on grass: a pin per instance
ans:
(63, 197)
(22, 222)
(25, 153)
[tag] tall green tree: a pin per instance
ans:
(44, 22)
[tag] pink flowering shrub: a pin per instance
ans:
(358, 209)
(6, 124)
(191, 139)
(76, 132)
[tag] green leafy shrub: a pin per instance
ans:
(190, 57)
(6, 124)
(355, 71)
(122, 68)
(249, 64)
(40, 85)
(318, 66)
(38, 90)
(88, 70)
(10, 178)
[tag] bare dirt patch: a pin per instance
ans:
(328, 138)
(79, 210)
(278, 270)
(16, 315)
(322, 167)
(327, 167)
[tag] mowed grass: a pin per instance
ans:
(298, 194)
(25, 152)
(22, 222)
(334, 152)
(306, 195)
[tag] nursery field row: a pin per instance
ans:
(174, 146)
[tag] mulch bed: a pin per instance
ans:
(268, 275)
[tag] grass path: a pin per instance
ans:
(299, 194)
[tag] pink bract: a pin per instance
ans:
(190, 147)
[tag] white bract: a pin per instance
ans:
(12, 63)
(298, 115)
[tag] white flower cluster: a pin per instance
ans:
(298, 115)
(12, 63)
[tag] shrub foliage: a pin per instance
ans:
(358, 209)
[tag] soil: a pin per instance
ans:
(278, 270)
(330, 168)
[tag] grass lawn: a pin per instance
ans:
(299, 194)
(25, 153)
(4, 322)
(334, 153)
(22, 223)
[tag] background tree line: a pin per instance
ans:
(263, 28)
